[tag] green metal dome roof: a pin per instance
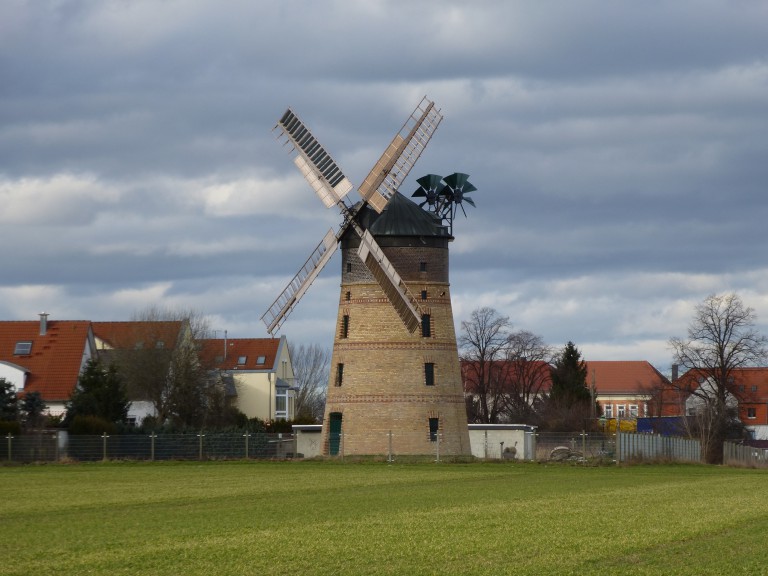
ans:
(402, 217)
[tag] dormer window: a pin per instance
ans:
(261, 360)
(241, 360)
(22, 348)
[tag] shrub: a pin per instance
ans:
(9, 427)
(91, 425)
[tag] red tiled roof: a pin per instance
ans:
(249, 349)
(129, 334)
(55, 360)
(506, 371)
(610, 377)
(624, 376)
(750, 384)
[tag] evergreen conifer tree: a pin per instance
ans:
(569, 378)
(99, 393)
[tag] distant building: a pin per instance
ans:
(46, 356)
(260, 371)
(624, 389)
(747, 394)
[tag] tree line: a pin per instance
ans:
(513, 376)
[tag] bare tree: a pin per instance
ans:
(311, 367)
(721, 339)
(528, 375)
(160, 363)
(483, 347)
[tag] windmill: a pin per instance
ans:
(380, 348)
(332, 187)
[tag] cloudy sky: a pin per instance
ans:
(619, 150)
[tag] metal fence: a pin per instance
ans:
(625, 447)
(58, 445)
(739, 455)
(634, 447)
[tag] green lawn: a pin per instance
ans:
(302, 518)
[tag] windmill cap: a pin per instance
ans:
(402, 217)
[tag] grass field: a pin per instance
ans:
(306, 518)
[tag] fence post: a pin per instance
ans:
(56, 446)
(200, 449)
(246, 436)
(104, 446)
(389, 454)
(9, 445)
(152, 437)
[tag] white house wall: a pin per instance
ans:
(16, 375)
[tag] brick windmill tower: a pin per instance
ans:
(395, 383)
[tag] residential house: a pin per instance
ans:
(747, 391)
(139, 337)
(261, 371)
(504, 390)
(624, 388)
(46, 356)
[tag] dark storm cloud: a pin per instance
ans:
(618, 150)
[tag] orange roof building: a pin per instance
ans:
(625, 387)
(46, 357)
(261, 370)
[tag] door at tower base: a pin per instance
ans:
(334, 433)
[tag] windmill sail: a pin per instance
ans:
(283, 305)
(393, 286)
(392, 168)
(317, 166)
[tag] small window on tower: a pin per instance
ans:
(426, 328)
(348, 296)
(339, 374)
(422, 266)
(434, 427)
(429, 373)
(345, 326)
(349, 266)
(423, 294)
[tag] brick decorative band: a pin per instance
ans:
(396, 399)
(449, 345)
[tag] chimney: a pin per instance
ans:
(43, 323)
(675, 370)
